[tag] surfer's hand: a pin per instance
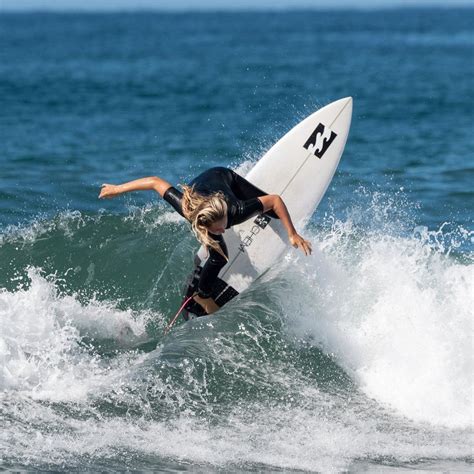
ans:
(108, 191)
(208, 304)
(298, 242)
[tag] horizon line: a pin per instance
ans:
(243, 9)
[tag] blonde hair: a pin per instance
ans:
(203, 211)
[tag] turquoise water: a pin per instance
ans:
(359, 357)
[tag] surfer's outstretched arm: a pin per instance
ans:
(151, 183)
(273, 202)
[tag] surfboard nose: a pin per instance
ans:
(346, 104)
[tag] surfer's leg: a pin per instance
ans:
(211, 268)
(207, 287)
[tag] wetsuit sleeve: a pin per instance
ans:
(244, 210)
(174, 197)
(211, 268)
(245, 190)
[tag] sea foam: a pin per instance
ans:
(41, 345)
(396, 311)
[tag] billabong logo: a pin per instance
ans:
(320, 140)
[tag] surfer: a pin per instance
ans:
(212, 202)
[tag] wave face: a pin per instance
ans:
(358, 354)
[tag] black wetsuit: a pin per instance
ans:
(242, 203)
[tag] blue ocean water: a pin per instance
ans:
(359, 357)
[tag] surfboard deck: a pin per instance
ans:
(299, 168)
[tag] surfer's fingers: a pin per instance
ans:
(306, 247)
(302, 246)
(106, 191)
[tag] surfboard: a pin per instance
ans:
(299, 168)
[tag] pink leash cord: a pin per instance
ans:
(170, 324)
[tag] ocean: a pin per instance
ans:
(359, 357)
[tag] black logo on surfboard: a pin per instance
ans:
(320, 140)
(262, 220)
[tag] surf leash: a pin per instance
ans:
(170, 324)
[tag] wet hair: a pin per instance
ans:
(202, 212)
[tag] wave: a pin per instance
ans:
(359, 352)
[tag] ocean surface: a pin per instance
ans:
(359, 357)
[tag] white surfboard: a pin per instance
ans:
(299, 167)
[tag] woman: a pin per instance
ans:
(213, 202)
